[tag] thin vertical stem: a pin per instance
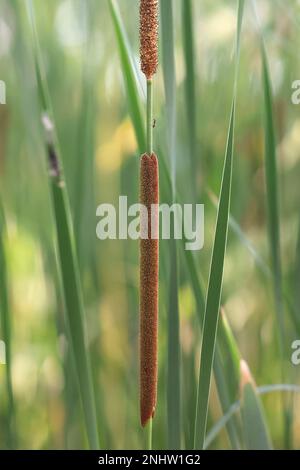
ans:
(149, 116)
(149, 435)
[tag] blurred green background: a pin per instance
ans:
(101, 161)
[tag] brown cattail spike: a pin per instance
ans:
(149, 37)
(149, 266)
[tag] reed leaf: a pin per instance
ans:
(5, 323)
(190, 86)
(174, 356)
(272, 196)
(236, 406)
(254, 423)
(128, 74)
(213, 298)
(68, 263)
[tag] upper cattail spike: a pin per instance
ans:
(149, 37)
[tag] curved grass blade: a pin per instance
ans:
(214, 294)
(237, 230)
(168, 61)
(174, 355)
(190, 87)
(68, 263)
(272, 194)
(254, 423)
(235, 407)
(227, 393)
(272, 201)
(230, 355)
(216, 270)
(6, 330)
(128, 73)
(83, 186)
(273, 213)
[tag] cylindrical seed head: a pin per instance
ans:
(149, 271)
(149, 37)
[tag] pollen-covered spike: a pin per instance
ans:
(149, 37)
(149, 270)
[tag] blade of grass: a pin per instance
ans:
(6, 329)
(213, 298)
(174, 356)
(226, 392)
(129, 76)
(214, 295)
(190, 88)
(272, 195)
(273, 213)
(260, 262)
(230, 355)
(235, 407)
(168, 61)
(67, 256)
(254, 423)
(83, 187)
(236, 229)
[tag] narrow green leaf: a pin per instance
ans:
(128, 73)
(254, 424)
(5, 323)
(235, 407)
(174, 356)
(68, 263)
(226, 391)
(230, 356)
(83, 186)
(190, 87)
(168, 61)
(272, 195)
(214, 294)
(216, 270)
(273, 213)
(242, 237)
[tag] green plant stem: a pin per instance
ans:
(5, 323)
(149, 116)
(190, 87)
(149, 435)
(215, 282)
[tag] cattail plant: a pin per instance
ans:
(149, 246)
